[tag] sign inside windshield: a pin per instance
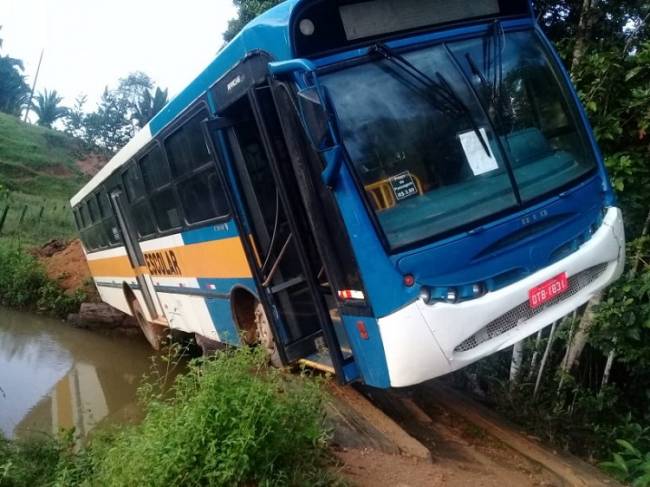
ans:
(403, 186)
(479, 160)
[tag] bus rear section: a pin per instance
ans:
(476, 198)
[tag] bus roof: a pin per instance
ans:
(270, 30)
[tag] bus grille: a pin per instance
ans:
(524, 312)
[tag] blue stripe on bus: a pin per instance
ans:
(225, 285)
(222, 320)
(213, 232)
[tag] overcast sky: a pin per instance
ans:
(92, 43)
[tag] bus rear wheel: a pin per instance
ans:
(265, 335)
(153, 333)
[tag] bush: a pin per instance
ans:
(24, 285)
(629, 465)
(229, 421)
(28, 463)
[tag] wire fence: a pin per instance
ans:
(34, 220)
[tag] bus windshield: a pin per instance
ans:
(425, 165)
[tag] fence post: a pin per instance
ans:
(22, 215)
(3, 217)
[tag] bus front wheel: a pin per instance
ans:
(265, 335)
(153, 333)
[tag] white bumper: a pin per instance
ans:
(421, 340)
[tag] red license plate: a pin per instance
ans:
(548, 290)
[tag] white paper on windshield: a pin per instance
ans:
(479, 160)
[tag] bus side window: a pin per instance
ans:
(77, 221)
(83, 212)
(133, 183)
(199, 188)
(138, 201)
(203, 197)
(157, 180)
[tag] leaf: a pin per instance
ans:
(643, 481)
(628, 447)
(592, 106)
(633, 72)
(618, 459)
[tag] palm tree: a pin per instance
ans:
(149, 106)
(13, 89)
(46, 106)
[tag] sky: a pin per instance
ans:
(92, 43)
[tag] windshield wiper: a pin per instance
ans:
(444, 96)
(492, 63)
(493, 67)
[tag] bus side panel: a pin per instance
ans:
(110, 269)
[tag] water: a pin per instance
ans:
(54, 376)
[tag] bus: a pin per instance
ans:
(387, 190)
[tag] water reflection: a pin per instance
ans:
(53, 376)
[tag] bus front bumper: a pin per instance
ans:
(423, 341)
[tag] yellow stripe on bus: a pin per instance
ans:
(113, 266)
(214, 259)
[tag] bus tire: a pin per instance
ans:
(153, 333)
(265, 336)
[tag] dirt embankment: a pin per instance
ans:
(65, 263)
(91, 164)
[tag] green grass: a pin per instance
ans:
(38, 161)
(228, 420)
(55, 221)
(37, 169)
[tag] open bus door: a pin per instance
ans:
(138, 263)
(281, 245)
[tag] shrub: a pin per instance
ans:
(229, 421)
(629, 465)
(24, 285)
(28, 463)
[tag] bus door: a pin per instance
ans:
(285, 259)
(136, 257)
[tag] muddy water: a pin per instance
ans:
(53, 376)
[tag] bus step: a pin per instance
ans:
(319, 361)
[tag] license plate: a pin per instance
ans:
(548, 290)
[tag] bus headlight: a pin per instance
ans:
(425, 294)
(452, 295)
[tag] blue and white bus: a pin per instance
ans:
(389, 190)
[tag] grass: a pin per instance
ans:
(38, 170)
(44, 219)
(228, 420)
(38, 161)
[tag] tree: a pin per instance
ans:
(120, 112)
(13, 89)
(47, 108)
(247, 10)
(109, 126)
(149, 106)
(75, 118)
